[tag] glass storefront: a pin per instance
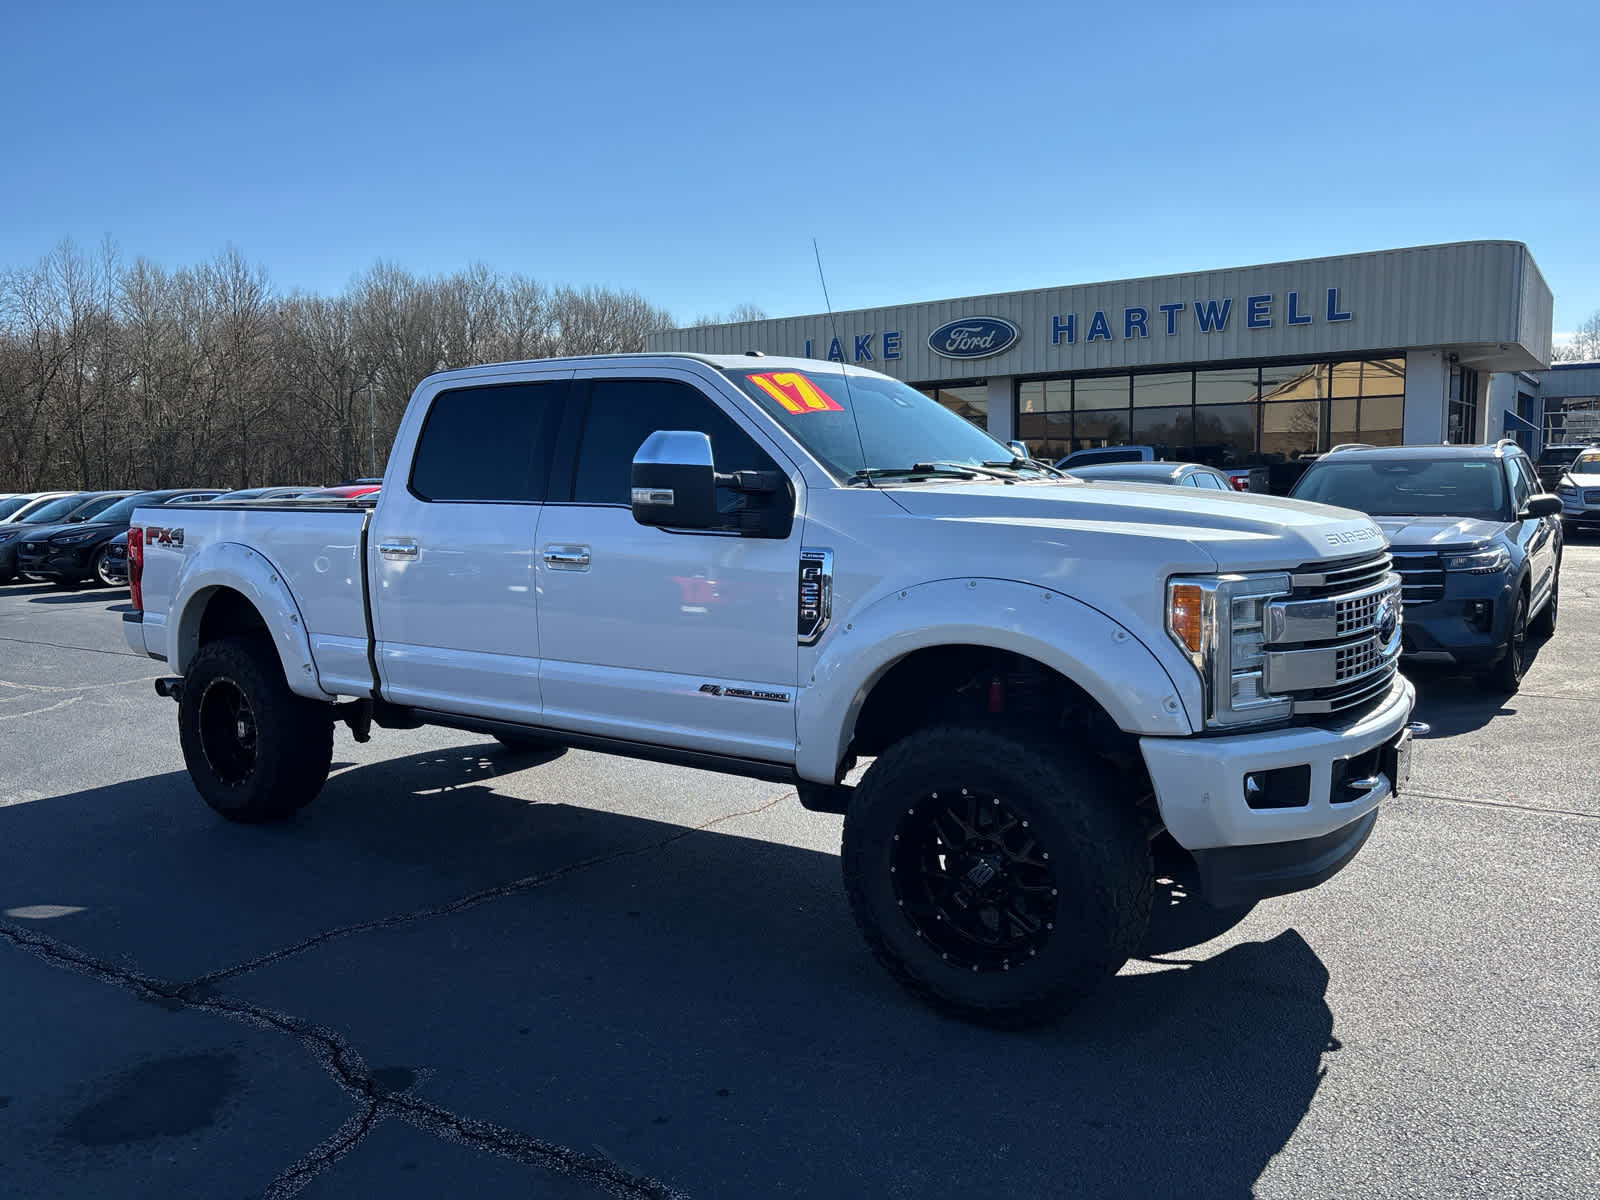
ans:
(970, 400)
(1233, 416)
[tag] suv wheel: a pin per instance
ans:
(998, 883)
(1506, 674)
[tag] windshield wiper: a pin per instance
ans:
(942, 470)
(1029, 464)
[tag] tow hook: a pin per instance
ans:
(170, 686)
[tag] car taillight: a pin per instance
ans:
(1241, 483)
(136, 567)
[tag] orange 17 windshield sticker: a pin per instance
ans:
(796, 392)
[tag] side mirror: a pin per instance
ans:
(1542, 506)
(675, 481)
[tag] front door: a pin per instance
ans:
(451, 552)
(682, 639)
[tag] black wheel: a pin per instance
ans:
(527, 743)
(1544, 625)
(102, 573)
(255, 750)
(998, 883)
(1506, 674)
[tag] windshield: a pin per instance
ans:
(873, 423)
(121, 512)
(1557, 456)
(53, 510)
(1586, 464)
(1418, 487)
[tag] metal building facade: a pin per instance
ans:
(1450, 311)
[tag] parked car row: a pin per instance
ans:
(70, 538)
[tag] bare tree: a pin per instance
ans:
(1584, 345)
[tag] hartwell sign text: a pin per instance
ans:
(981, 337)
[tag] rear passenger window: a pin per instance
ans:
(624, 412)
(1522, 486)
(488, 444)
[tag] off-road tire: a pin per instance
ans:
(1505, 676)
(255, 750)
(1544, 625)
(1077, 817)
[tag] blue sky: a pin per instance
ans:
(693, 152)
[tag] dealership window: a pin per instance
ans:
(970, 400)
(1229, 416)
(1463, 416)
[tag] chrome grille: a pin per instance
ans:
(1326, 652)
(1341, 575)
(1592, 496)
(1357, 614)
(1353, 661)
(1421, 576)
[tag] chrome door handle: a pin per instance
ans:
(567, 558)
(398, 550)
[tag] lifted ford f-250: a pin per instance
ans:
(780, 567)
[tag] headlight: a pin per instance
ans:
(1220, 624)
(72, 539)
(1567, 492)
(1481, 560)
(6, 537)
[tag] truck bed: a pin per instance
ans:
(316, 549)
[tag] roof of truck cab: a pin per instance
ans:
(722, 362)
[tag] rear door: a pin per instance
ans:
(451, 551)
(672, 637)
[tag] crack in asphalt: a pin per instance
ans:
(526, 884)
(1528, 808)
(85, 649)
(340, 1060)
(344, 1064)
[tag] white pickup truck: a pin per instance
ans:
(776, 567)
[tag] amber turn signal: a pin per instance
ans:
(1186, 615)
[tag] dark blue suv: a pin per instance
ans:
(1476, 542)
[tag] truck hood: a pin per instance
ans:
(1239, 532)
(1421, 533)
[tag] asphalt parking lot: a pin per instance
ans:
(464, 973)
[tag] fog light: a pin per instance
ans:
(1480, 614)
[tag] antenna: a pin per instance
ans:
(833, 323)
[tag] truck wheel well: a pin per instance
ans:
(226, 613)
(983, 686)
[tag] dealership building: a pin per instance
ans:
(1244, 366)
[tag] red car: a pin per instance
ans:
(345, 491)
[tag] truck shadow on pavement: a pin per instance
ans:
(691, 1004)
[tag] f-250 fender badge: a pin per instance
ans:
(154, 535)
(742, 693)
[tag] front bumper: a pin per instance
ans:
(1248, 852)
(1456, 624)
(56, 562)
(1579, 512)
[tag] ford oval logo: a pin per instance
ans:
(973, 337)
(1388, 619)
